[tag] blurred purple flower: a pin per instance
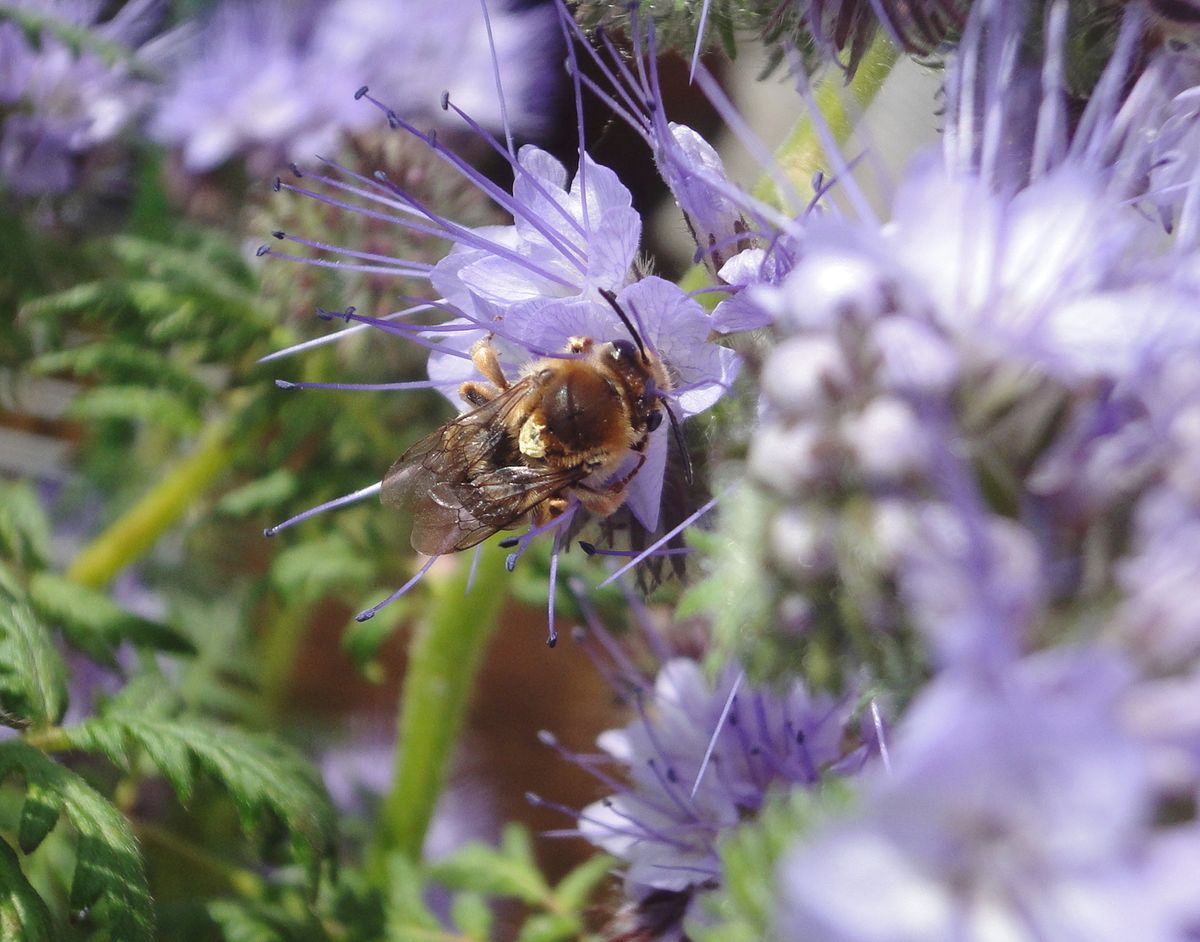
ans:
(63, 101)
(1016, 810)
(273, 80)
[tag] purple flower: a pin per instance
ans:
(65, 102)
(1015, 810)
(527, 289)
(672, 325)
(701, 757)
(274, 80)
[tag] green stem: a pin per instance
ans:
(444, 658)
(802, 154)
(244, 882)
(135, 531)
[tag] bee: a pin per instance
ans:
(572, 428)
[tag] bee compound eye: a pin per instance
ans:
(623, 350)
(654, 420)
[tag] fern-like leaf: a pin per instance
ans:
(23, 915)
(24, 529)
(110, 879)
(266, 779)
(33, 678)
(94, 623)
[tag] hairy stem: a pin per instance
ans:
(135, 531)
(801, 155)
(444, 658)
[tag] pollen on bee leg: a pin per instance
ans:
(487, 361)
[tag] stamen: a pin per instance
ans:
(527, 537)
(371, 612)
(571, 253)
(673, 532)
(365, 387)
(487, 22)
(394, 329)
(712, 742)
(699, 40)
(337, 335)
(591, 549)
(342, 501)
(881, 737)
(474, 568)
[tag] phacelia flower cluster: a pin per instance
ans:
(272, 81)
(61, 101)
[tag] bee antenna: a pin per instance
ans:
(611, 298)
(677, 431)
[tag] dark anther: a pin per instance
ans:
(296, 170)
(349, 313)
(800, 737)
(672, 777)
(279, 233)
(393, 119)
(262, 250)
(607, 802)
(270, 531)
(509, 542)
(588, 548)
(325, 315)
(362, 91)
(445, 101)
(552, 641)
(433, 138)
(277, 185)
(364, 616)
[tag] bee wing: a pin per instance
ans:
(454, 487)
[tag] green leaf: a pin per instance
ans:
(23, 915)
(742, 909)
(549, 927)
(509, 870)
(408, 918)
(473, 916)
(94, 623)
(24, 529)
(266, 779)
(267, 493)
(575, 890)
(315, 567)
(33, 678)
(109, 875)
(137, 404)
(123, 362)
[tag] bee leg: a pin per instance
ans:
(548, 509)
(484, 356)
(477, 394)
(605, 501)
